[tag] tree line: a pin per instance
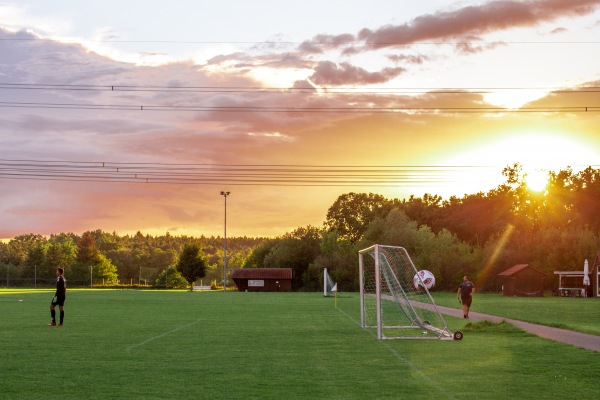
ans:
(103, 258)
(478, 234)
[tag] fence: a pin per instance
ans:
(77, 276)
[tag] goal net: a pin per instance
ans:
(329, 287)
(394, 299)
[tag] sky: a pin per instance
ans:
(136, 115)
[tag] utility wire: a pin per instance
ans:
(230, 174)
(275, 109)
(284, 90)
(295, 90)
(242, 174)
(317, 43)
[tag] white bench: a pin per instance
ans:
(201, 288)
(572, 292)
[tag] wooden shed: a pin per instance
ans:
(262, 279)
(523, 280)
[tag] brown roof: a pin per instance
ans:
(518, 268)
(261, 273)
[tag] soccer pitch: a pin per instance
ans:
(167, 345)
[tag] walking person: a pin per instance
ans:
(59, 297)
(465, 291)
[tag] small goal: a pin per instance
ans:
(394, 299)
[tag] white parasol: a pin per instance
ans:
(586, 278)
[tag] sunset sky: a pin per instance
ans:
(134, 115)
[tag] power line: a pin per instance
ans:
(230, 174)
(317, 43)
(295, 90)
(238, 174)
(278, 109)
(306, 89)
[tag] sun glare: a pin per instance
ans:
(537, 153)
(513, 100)
(537, 180)
(279, 78)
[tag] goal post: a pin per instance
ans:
(394, 299)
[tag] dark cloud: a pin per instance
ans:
(473, 45)
(322, 43)
(449, 25)
(407, 58)
(304, 84)
(558, 30)
(329, 73)
(485, 18)
(463, 27)
(242, 60)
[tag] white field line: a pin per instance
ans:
(163, 335)
(402, 359)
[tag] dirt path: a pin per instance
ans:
(578, 339)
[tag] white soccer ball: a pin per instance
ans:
(427, 280)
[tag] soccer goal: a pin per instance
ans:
(394, 299)
(329, 287)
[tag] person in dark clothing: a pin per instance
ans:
(465, 290)
(59, 297)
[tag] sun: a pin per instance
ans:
(536, 180)
(538, 152)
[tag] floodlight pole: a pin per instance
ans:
(225, 194)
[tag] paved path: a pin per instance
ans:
(583, 340)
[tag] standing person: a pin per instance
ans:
(59, 297)
(465, 290)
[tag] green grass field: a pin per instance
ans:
(166, 345)
(578, 314)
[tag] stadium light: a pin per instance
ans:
(225, 194)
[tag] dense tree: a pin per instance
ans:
(256, 259)
(37, 260)
(171, 278)
(62, 252)
(86, 248)
(18, 248)
(129, 263)
(425, 210)
(586, 201)
(442, 253)
(340, 258)
(191, 264)
(296, 250)
(104, 270)
(476, 218)
(351, 213)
